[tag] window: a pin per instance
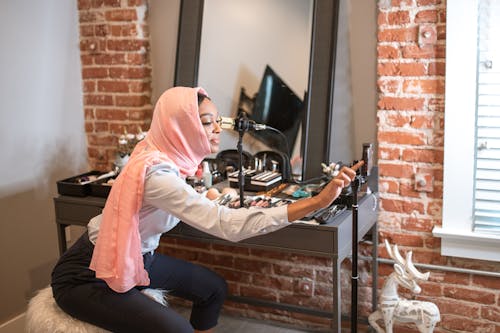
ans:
(471, 194)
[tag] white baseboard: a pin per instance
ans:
(15, 325)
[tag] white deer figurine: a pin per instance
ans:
(393, 308)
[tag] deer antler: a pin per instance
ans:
(407, 264)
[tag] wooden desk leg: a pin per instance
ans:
(61, 236)
(337, 303)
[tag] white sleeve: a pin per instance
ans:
(167, 191)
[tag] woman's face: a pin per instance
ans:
(211, 123)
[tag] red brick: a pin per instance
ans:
(469, 294)
(423, 121)
(424, 52)
(233, 275)
(394, 119)
(435, 208)
(387, 153)
(406, 240)
(396, 170)
(323, 289)
(260, 293)
(387, 86)
(88, 86)
(422, 155)
(236, 250)
(400, 103)
(422, 3)
(486, 282)
(424, 86)
(436, 68)
(404, 138)
(101, 126)
(130, 73)
(98, 99)
(254, 266)
(109, 59)
(132, 100)
(455, 307)
(121, 15)
(408, 190)
(398, 35)
(126, 45)
(217, 259)
(388, 186)
(401, 206)
(140, 86)
(400, 69)
(280, 283)
(84, 4)
(112, 3)
(491, 313)
(137, 58)
(398, 18)
(112, 86)
(94, 73)
(420, 224)
(465, 324)
(110, 114)
(388, 52)
(293, 271)
(86, 59)
(426, 16)
(382, 19)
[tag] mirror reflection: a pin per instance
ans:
(258, 52)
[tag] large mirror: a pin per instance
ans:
(321, 16)
(227, 45)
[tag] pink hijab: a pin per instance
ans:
(177, 136)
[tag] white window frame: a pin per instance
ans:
(457, 237)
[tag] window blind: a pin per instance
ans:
(487, 159)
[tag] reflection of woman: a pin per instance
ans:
(148, 198)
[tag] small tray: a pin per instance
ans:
(77, 186)
(100, 187)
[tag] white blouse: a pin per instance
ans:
(168, 199)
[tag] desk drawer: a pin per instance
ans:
(74, 213)
(294, 238)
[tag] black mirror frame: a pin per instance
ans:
(318, 116)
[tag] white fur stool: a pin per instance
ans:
(45, 316)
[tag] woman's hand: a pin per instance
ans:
(333, 189)
(330, 192)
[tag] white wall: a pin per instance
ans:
(42, 138)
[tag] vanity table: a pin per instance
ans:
(332, 240)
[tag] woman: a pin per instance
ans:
(99, 279)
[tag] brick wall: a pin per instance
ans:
(411, 81)
(116, 72)
(411, 75)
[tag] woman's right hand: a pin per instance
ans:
(333, 189)
(330, 192)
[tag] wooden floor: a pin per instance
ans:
(229, 324)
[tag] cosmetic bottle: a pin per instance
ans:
(207, 175)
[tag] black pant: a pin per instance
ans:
(79, 293)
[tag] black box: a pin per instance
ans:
(101, 188)
(78, 186)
